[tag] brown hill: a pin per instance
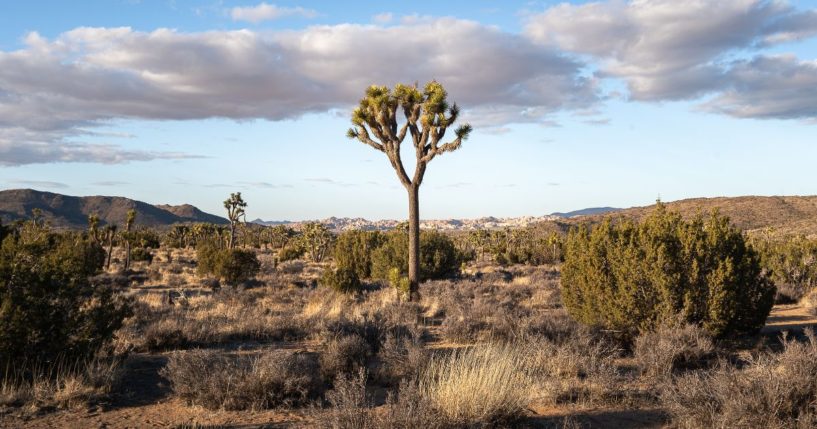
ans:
(64, 211)
(777, 214)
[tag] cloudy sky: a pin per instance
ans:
(574, 104)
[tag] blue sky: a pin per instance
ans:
(574, 105)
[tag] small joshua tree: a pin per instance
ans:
(235, 210)
(317, 239)
(128, 224)
(93, 227)
(428, 117)
(110, 234)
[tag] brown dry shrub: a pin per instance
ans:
(773, 390)
(215, 380)
(344, 355)
(401, 356)
(580, 368)
(672, 347)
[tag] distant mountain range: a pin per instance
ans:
(776, 214)
(64, 211)
(344, 224)
(586, 212)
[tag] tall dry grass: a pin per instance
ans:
(487, 383)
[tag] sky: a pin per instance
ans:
(574, 105)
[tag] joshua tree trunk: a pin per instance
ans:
(110, 250)
(414, 241)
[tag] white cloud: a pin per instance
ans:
(268, 12)
(383, 18)
(669, 49)
(118, 73)
(769, 87)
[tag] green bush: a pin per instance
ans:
(439, 257)
(791, 262)
(238, 266)
(342, 279)
(141, 254)
(630, 276)
(290, 252)
(353, 250)
(49, 310)
(233, 266)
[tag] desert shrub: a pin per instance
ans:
(238, 266)
(344, 355)
(439, 257)
(291, 252)
(399, 282)
(792, 263)
(208, 255)
(484, 384)
(341, 279)
(49, 310)
(68, 387)
(774, 390)
(671, 347)
(532, 245)
(232, 266)
(576, 368)
(214, 380)
(353, 250)
(401, 356)
(141, 254)
(350, 407)
(630, 276)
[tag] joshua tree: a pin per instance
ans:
(93, 227)
(235, 210)
(128, 224)
(317, 239)
(37, 216)
(428, 117)
(110, 233)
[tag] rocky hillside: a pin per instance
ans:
(777, 214)
(64, 211)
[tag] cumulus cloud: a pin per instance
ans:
(669, 49)
(118, 73)
(268, 12)
(769, 87)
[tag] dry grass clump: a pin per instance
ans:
(672, 347)
(774, 390)
(487, 383)
(215, 380)
(67, 387)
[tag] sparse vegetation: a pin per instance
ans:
(332, 343)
